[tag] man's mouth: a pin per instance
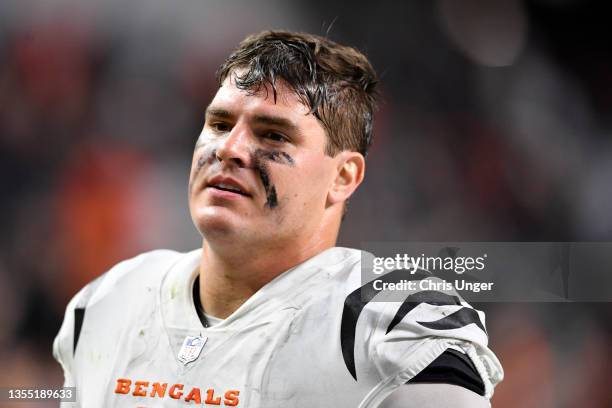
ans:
(228, 184)
(230, 188)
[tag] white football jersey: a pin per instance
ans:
(312, 337)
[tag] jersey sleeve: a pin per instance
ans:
(400, 339)
(454, 368)
(409, 336)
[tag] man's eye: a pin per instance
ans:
(276, 137)
(220, 127)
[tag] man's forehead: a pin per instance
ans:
(230, 97)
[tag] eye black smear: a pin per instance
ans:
(271, 199)
(201, 162)
(206, 157)
(274, 156)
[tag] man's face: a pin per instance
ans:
(259, 170)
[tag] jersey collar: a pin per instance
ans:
(287, 290)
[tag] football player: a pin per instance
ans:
(269, 312)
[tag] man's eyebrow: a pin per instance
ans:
(218, 113)
(284, 123)
(275, 121)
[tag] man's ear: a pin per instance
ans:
(350, 171)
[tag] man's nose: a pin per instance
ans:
(234, 149)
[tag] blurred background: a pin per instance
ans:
(495, 125)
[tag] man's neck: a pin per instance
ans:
(226, 282)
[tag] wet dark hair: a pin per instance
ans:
(337, 83)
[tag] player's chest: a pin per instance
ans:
(291, 360)
(248, 366)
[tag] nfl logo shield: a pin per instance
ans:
(191, 349)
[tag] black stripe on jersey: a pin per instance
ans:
(357, 300)
(79, 309)
(452, 367)
(427, 296)
(79, 315)
(353, 306)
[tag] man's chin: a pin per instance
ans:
(218, 221)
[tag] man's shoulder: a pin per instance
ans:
(144, 270)
(337, 261)
(143, 266)
(345, 266)
(126, 289)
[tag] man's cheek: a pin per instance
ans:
(193, 166)
(204, 139)
(196, 166)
